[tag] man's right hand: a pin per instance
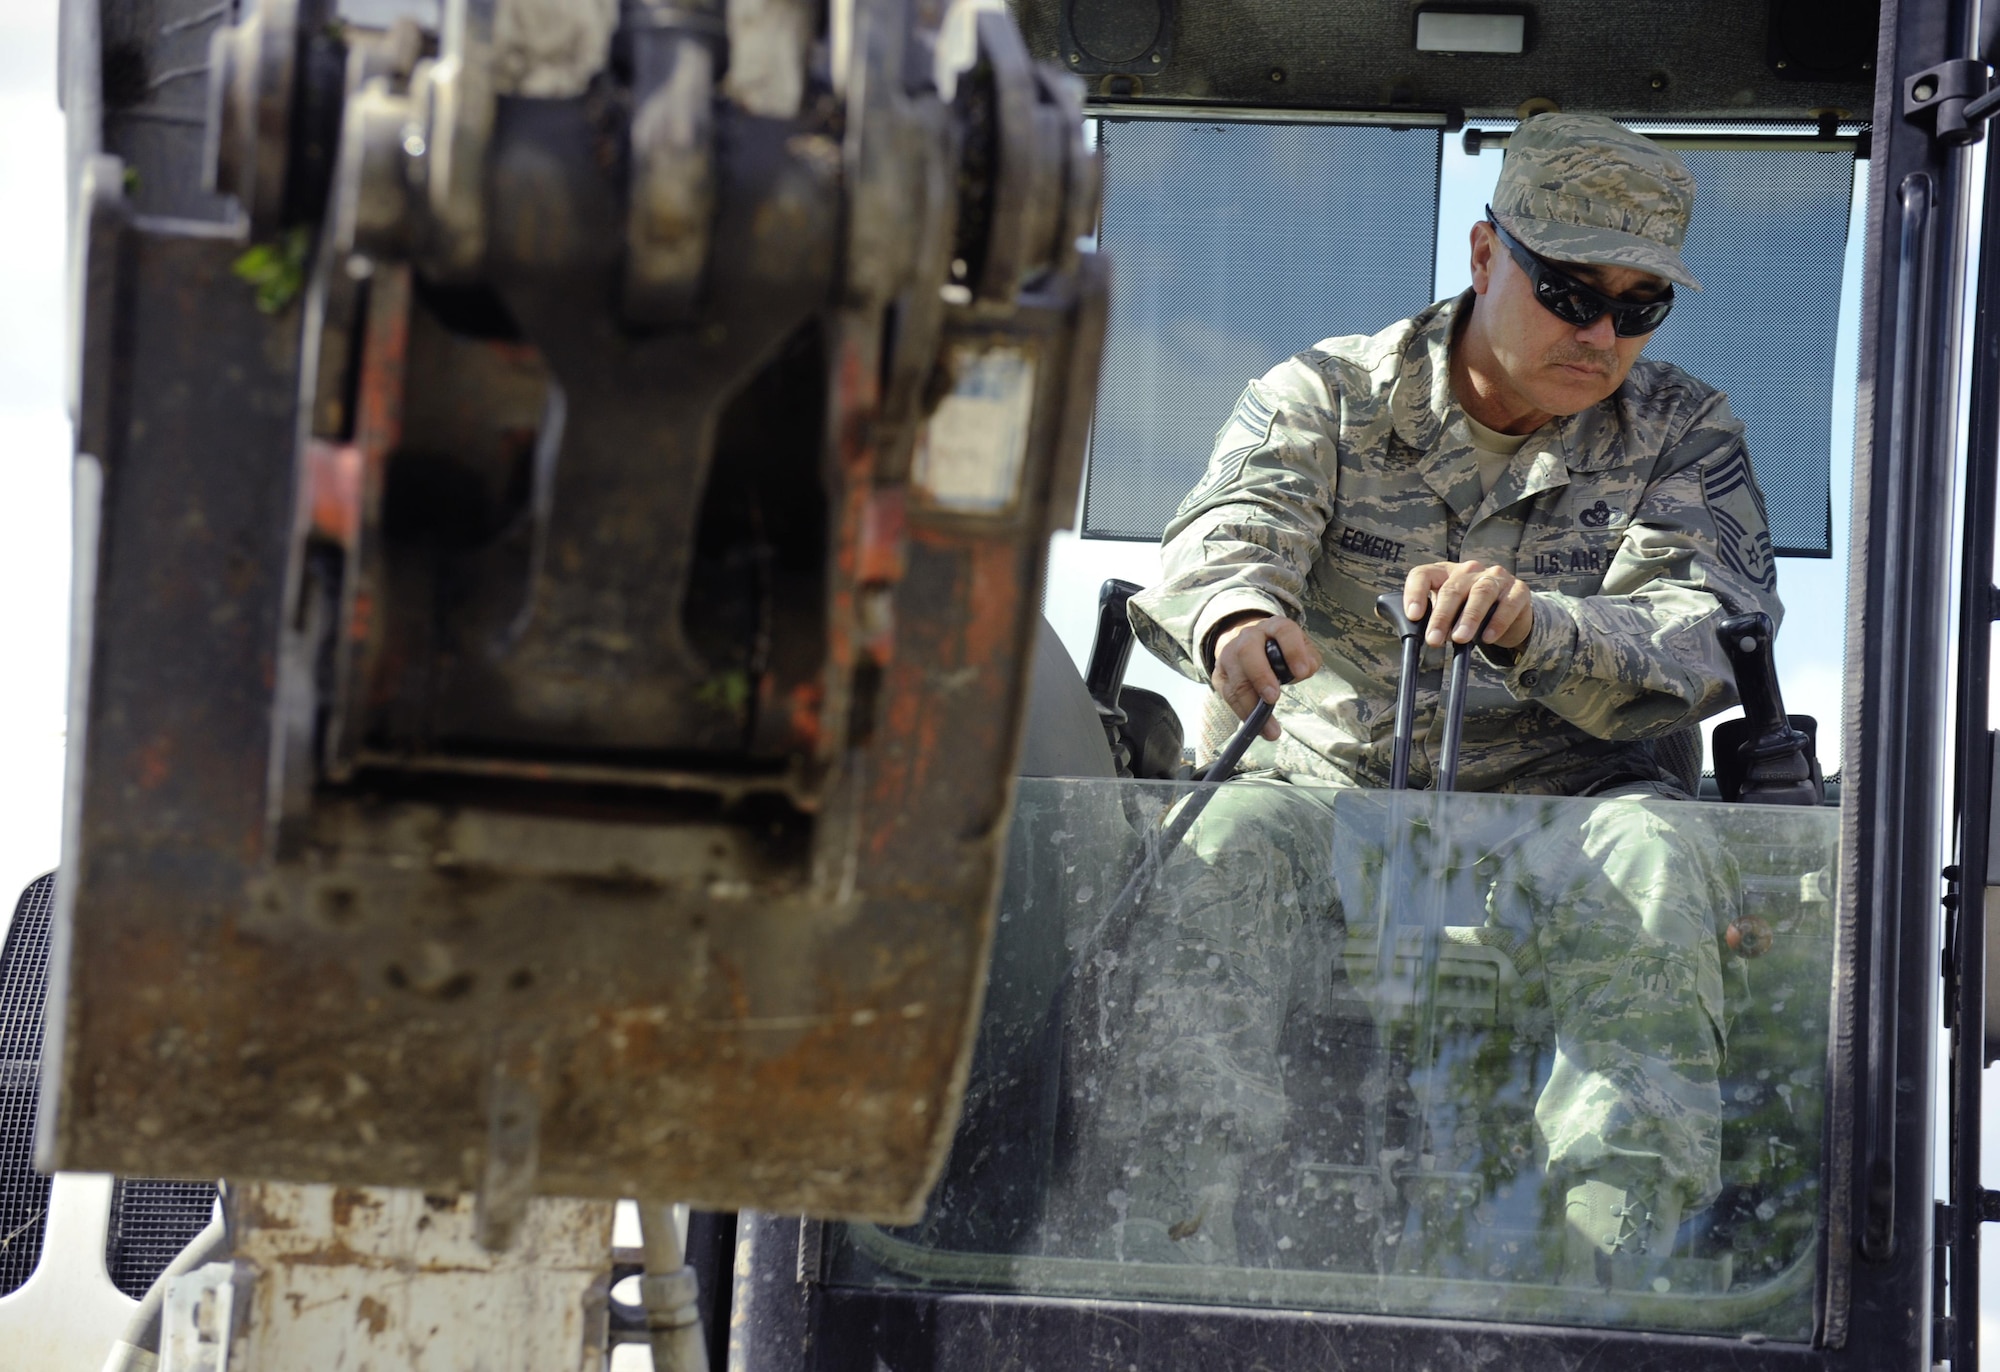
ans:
(1243, 675)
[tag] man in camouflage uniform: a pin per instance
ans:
(1506, 451)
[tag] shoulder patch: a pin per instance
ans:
(1248, 429)
(1730, 488)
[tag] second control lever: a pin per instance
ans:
(1458, 676)
(1762, 758)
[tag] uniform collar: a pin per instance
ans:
(1420, 402)
(1422, 409)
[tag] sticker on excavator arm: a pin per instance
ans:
(971, 451)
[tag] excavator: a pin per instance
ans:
(604, 799)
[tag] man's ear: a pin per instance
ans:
(1484, 244)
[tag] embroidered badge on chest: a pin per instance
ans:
(1598, 516)
(1377, 546)
(1570, 562)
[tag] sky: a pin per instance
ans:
(35, 452)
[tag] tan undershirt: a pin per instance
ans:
(1492, 450)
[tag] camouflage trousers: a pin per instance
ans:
(1226, 1050)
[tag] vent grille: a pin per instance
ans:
(151, 1222)
(24, 984)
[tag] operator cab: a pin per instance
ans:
(1398, 1167)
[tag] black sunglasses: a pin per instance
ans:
(1569, 300)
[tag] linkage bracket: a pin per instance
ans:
(1957, 96)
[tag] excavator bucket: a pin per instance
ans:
(560, 533)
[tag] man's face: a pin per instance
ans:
(1548, 364)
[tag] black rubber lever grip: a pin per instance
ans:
(1275, 655)
(1389, 607)
(1253, 723)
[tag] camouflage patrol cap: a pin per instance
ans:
(1584, 188)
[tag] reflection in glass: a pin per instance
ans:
(1336, 1055)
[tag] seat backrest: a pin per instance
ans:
(1679, 753)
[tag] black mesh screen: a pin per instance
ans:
(151, 1222)
(1237, 245)
(1767, 243)
(24, 982)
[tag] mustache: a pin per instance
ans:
(1574, 354)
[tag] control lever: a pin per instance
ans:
(1110, 652)
(1401, 880)
(1119, 913)
(1455, 683)
(1389, 606)
(1232, 752)
(1763, 758)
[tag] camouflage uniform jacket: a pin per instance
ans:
(1637, 524)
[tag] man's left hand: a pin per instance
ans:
(1460, 593)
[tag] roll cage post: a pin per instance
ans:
(1966, 902)
(1878, 1201)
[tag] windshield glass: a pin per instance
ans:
(1521, 1058)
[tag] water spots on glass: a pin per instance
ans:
(1315, 1070)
